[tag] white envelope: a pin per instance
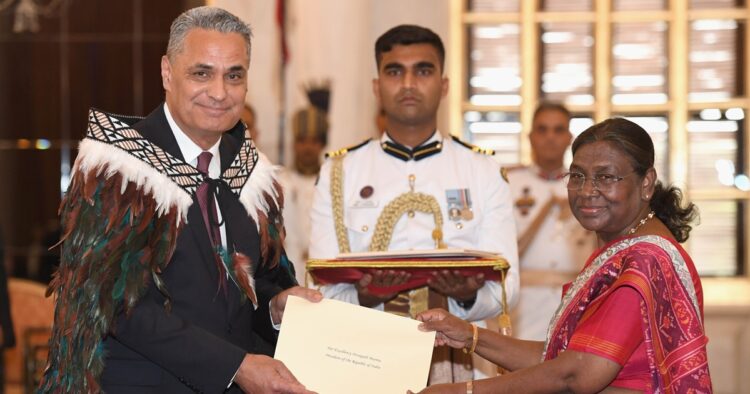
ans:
(334, 347)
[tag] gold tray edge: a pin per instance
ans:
(498, 264)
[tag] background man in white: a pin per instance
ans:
(552, 244)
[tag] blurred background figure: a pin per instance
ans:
(310, 133)
(552, 245)
(248, 116)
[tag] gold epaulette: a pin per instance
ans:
(343, 151)
(504, 174)
(473, 148)
(504, 170)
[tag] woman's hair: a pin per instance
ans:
(636, 144)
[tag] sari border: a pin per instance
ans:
(678, 263)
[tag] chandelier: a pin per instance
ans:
(27, 12)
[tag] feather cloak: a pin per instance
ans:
(126, 204)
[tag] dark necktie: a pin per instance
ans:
(206, 200)
(210, 217)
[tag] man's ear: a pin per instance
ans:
(376, 89)
(166, 72)
(444, 88)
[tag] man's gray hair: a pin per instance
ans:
(208, 18)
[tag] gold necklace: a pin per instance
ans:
(641, 223)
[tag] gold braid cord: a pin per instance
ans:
(381, 239)
(337, 203)
(415, 300)
(407, 202)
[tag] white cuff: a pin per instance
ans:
(275, 326)
(487, 304)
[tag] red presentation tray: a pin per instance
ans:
(349, 268)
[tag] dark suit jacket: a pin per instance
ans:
(199, 346)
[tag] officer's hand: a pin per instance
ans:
(379, 278)
(262, 374)
(453, 284)
(278, 303)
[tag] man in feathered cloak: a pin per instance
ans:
(173, 276)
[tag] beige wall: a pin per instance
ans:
(327, 39)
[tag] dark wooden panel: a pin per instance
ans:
(30, 80)
(153, 92)
(101, 76)
(159, 16)
(30, 200)
(97, 17)
(104, 54)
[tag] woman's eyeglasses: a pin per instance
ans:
(600, 182)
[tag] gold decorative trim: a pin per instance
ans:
(498, 264)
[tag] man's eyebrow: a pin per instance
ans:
(236, 68)
(202, 66)
(205, 67)
(393, 65)
(425, 64)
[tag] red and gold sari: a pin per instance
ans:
(668, 299)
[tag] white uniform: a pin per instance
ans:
(373, 178)
(555, 255)
(298, 195)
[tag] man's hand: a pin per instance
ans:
(278, 303)
(260, 374)
(453, 284)
(379, 278)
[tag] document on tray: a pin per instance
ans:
(335, 347)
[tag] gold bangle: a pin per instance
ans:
(474, 339)
(470, 386)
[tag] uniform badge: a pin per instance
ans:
(525, 203)
(366, 192)
(365, 199)
(459, 204)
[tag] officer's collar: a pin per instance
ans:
(548, 176)
(431, 146)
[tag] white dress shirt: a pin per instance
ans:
(190, 152)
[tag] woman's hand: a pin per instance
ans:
(451, 330)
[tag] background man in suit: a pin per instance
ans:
(172, 237)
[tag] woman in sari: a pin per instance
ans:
(632, 321)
